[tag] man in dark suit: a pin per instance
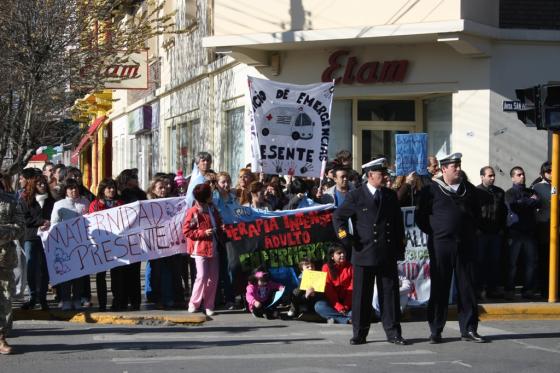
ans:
(449, 213)
(377, 242)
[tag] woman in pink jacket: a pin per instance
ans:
(204, 232)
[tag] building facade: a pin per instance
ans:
(440, 67)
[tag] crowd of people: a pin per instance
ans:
(478, 233)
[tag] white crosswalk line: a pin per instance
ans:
(280, 356)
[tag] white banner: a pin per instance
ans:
(96, 242)
(416, 266)
(290, 127)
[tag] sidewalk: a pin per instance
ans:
(488, 311)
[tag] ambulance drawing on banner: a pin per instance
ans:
(290, 121)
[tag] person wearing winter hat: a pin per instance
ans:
(181, 183)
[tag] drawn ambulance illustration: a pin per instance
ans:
(288, 121)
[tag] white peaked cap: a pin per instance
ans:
(379, 164)
(450, 158)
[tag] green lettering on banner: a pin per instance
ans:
(284, 257)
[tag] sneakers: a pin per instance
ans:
(210, 312)
(291, 313)
(5, 348)
(229, 306)
(191, 309)
(330, 321)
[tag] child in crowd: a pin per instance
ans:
(303, 301)
(260, 295)
(337, 308)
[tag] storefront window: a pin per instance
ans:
(190, 143)
(341, 127)
(386, 110)
(437, 119)
(235, 140)
(379, 142)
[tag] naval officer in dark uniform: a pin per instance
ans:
(377, 242)
(449, 213)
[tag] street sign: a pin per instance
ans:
(514, 106)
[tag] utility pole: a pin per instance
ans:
(553, 265)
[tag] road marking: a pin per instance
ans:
(281, 356)
(425, 363)
(191, 336)
(487, 330)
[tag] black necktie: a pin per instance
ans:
(377, 197)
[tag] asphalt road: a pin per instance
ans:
(239, 343)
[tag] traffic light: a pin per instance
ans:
(551, 106)
(532, 114)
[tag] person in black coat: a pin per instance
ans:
(37, 205)
(490, 234)
(377, 242)
(449, 213)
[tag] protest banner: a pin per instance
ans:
(279, 238)
(313, 279)
(411, 154)
(416, 266)
(289, 126)
(110, 238)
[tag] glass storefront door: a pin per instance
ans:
(377, 121)
(379, 142)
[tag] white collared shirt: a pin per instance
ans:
(371, 189)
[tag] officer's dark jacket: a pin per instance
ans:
(447, 215)
(378, 236)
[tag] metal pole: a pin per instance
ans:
(553, 269)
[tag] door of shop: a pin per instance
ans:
(377, 121)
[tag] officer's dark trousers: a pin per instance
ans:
(444, 259)
(389, 301)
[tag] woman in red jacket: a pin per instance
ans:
(106, 199)
(338, 289)
(204, 231)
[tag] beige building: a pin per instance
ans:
(441, 67)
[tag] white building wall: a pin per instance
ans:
(518, 65)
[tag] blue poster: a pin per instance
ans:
(412, 154)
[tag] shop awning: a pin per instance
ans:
(87, 138)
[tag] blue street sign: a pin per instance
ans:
(515, 106)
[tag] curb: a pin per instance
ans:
(498, 311)
(110, 318)
(520, 311)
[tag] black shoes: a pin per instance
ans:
(357, 340)
(435, 339)
(473, 337)
(398, 340)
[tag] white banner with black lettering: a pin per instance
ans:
(289, 126)
(416, 264)
(96, 242)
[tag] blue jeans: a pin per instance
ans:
(488, 261)
(37, 272)
(326, 311)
